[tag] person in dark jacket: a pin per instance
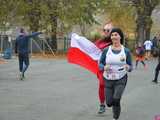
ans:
(155, 80)
(22, 49)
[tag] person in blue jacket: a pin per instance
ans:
(22, 49)
(116, 61)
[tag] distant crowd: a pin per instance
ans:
(149, 48)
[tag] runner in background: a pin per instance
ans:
(140, 55)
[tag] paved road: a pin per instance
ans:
(56, 90)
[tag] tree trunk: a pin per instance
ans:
(140, 29)
(54, 33)
(144, 25)
(53, 20)
(144, 10)
(83, 27)
(148, 31)
(148, 26)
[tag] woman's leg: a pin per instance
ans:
(101, 88)
(26, 63)
(119, 87)
(20, 58)
(116, 108)
(136, 63)
(156, 73)
(101, 92)
(109, 90)
(144, 64)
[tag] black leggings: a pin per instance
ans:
(113, 91)
(23, 62)
(157, 71)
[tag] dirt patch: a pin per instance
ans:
(49, 56)
(2, 61)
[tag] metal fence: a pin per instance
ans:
(37, 45)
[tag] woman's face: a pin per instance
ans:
(115, 37)
(106, 32)
(107, 29)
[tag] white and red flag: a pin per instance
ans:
(84, 53)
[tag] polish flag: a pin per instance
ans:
(84, 53)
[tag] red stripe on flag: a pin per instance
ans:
(76, 56)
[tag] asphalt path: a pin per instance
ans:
(56, 90)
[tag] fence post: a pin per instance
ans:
(65, 43)
(1, 43)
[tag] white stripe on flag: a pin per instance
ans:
(86, 46)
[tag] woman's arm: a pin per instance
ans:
(102, 59)
(128, 59)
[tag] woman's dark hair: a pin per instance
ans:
(119, 31)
